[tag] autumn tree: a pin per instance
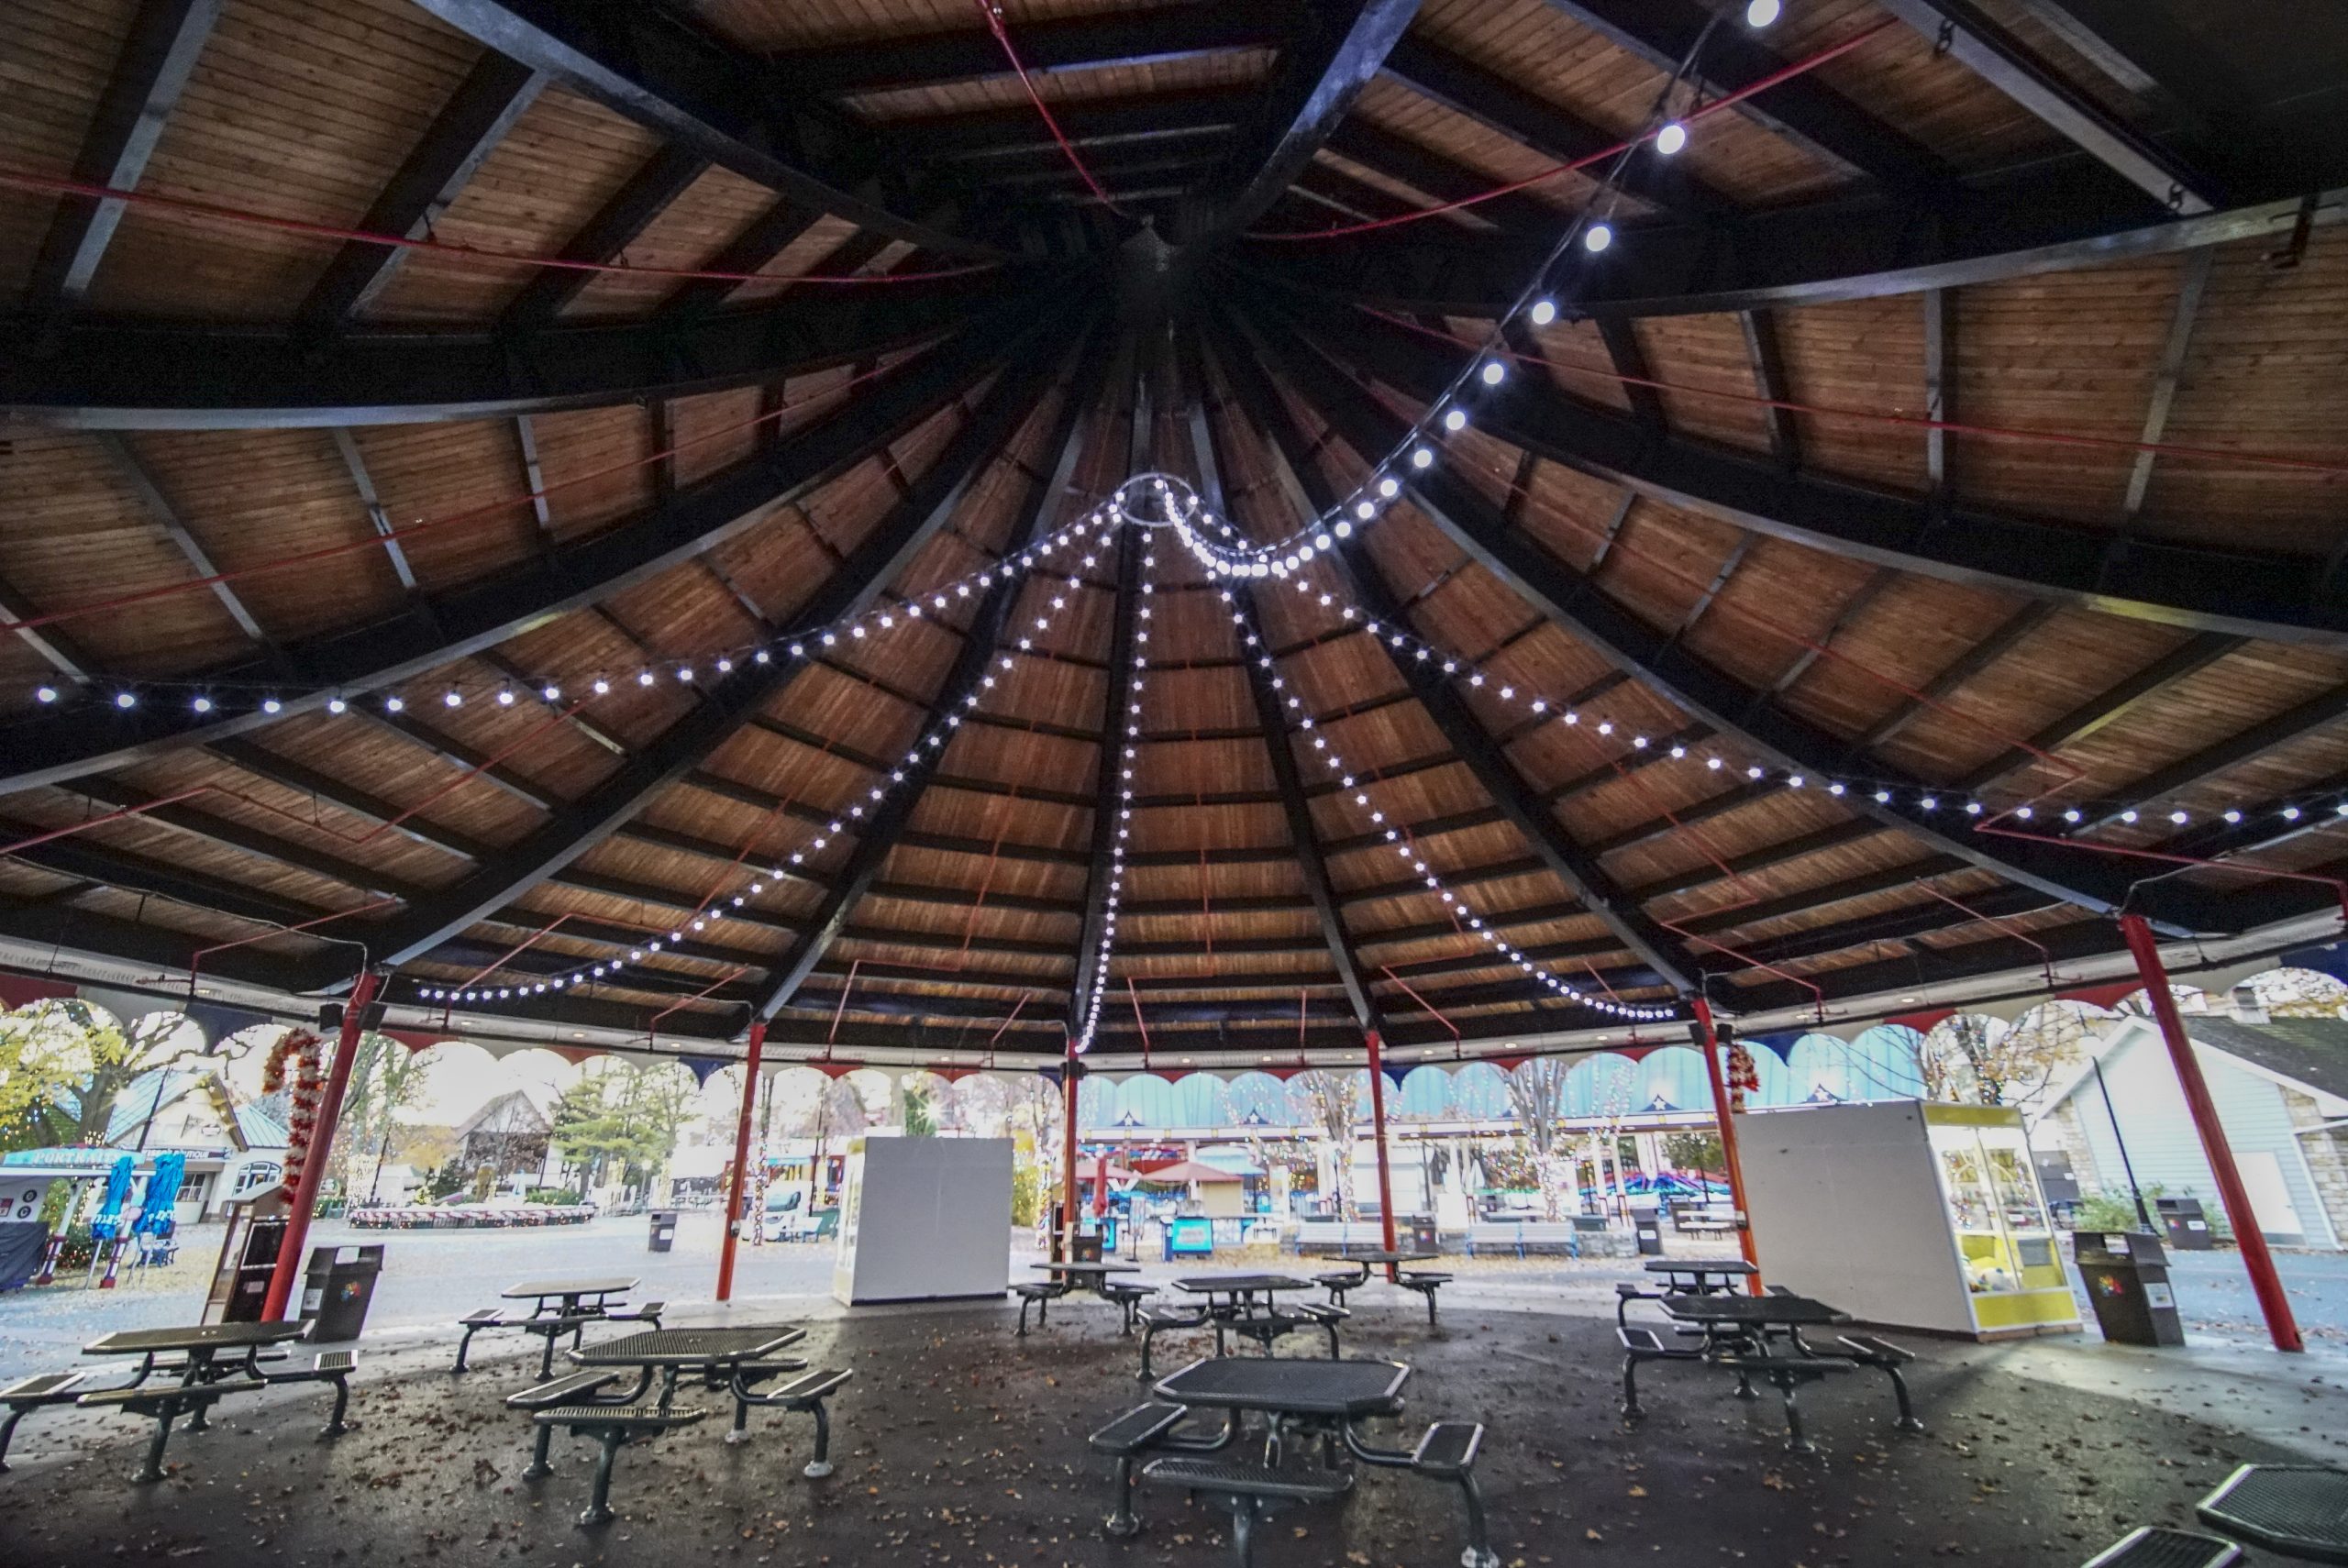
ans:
(1973, 1059)
(1331, 1105)
(1536, 1098)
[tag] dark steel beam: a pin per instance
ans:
(1399, 158)
(166, 37)
(133, 474)
(1689, 683)
(1127, 39)
(2016, 224)
(1621, 337)
(1954, 674)
(1768, 362)
(132, 374)
(62, 652)
(1963, 32)
(304, 780)
(92, 860)
(1926, 919)
(855, 585)
(230, 833)
(617, 224)
(1363, 582)
(1940, 387)
(652, 65)
(984, 139)
(494, 94)
(2294, 723)
(347, 447)
(765, 237)
(1925, 967)
(2106, 707)
(70, 744)
(885, 829)
(2191, 287)
(1337, 47)
(67, 928)
(2173, 583)
(1853, 608)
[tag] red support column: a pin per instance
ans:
(741, 1182)
(1378, 1137)
(2265, 1283)
(1064, 1246)
(314, 1164)
(1708, 1041)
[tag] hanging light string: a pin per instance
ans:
(1128, 744)
(1354, 791)
(1086, 534)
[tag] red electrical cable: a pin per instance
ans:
(376, 541)
(1906, 421)
(206, 211)
(995, 24)
(1775, 78)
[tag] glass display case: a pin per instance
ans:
(2005, 1240)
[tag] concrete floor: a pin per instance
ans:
(959, 1443)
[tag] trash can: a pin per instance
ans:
(2187, 1222)
(1085, 1247)
(1647, 1223)
(1416, 1233)
(664, 1231)
(338, 1289)
(2127, 1280)
(254, 1264)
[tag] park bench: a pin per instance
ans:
(163, 1403)
(1139, 1431)
(30, 1394)
(1866, 1350)
(1626, 1292)
(1785, 1374)
(549, 1326)
(1426, 1282)
(2149, 1548)
(615, 1427)
(1248, 1490)
(1042, 1293)
(1336, 1282)
(333, 1366)
(804, 1394)
(578, 1387)
(1639, 1345)
(1327, 1316)
(1129, 1298)
(1157, 1320)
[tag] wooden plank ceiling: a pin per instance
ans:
(415, 598)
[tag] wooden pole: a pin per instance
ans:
(740, 1183)
(314, 1164)
(1708, 1040)
(2265, 1283)
(1377, 1139)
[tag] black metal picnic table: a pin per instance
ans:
(1239, 1293)
(1339, 1390)
(716, 1353)
(570, 1294)
(1706, 1276)
(2300, 1510)
(201, 1345)
(1735, 1323)
(1094, 1274)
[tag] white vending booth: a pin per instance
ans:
(924, 1220)
(1907, 1213)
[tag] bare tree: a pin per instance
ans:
(1536, 1098)
(1974, 1059)
(1331, 1103)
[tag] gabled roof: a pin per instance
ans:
(2309, 1050)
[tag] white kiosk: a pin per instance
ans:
(924, 1220)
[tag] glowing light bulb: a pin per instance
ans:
(1597, 237)
(1494, 373)
(1455, 420)
(45, 694)
(1761, 13)
(1671, 138)
(1544, 312)
(1422, 459)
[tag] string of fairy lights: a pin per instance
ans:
(1129, 755)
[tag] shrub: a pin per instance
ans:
(558, 1197)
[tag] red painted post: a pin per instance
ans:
(314, 1164)
(741, 1182)
(2265, 1283)
(1377, 1138)
(1064, 1245)
(1709, 1041)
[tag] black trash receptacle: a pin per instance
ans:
(337, 1291)
(1648, 1224)
(2187, 1222)
(2127, 1279)
(664, 1231)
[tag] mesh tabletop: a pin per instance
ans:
(1699, 1266)
(2300, 1510)
(1091, 1268)
(687, 1347)
(1384, 1257)
(593, 1285)
(1235, 1284)
(1753, 1311)
(199, 1337)
(1299, 1386)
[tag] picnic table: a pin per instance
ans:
(1092, 1274)
(1704, 1277)
(1319, 1391)
(570, 1295)
(2300, 1510)
(1240, 1294)
(718, 1354)
(204, 1376)
(1746, 1323)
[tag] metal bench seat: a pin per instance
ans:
(1040, 1293)
(1640, 1344)
(2298, 1510)
(1868, 1350)
(643, 1312)
(2149, 1548)
(1249, 1489)
(1157, 1320)
(1336, 1282)
(333, 1366)
(614, 1426)
(1426, 1282)
(163, 1403)
(1328, 1315)
(1137, 1430)
(27, 1394)
(804, 1394)
(552, 1396)
(1128, 1297)
(1449, 1449)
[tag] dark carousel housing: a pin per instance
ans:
(1082, 539)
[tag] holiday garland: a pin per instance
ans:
(302, 1049)
(1744, 1075)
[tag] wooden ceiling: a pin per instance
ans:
(1957, 417)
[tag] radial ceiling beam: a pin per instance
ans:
(157, 58)
(757, 245)
(2021, 224)
(1963, 31)
(2106, 707)
(1338, 46)
(2001, 642)
(2318, 713)
(125, 374)
(494, 94)
(1592, 887)
(654, 66)
(70, 744)
(886, 828)
(642, 197)
(1694, 686)
(133, 474)
(57, 927)
(1116, 39)
(577, 826)
(1768, 360)
(2173, 583)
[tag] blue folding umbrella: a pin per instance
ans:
(108, 1224)
(155, 1212)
